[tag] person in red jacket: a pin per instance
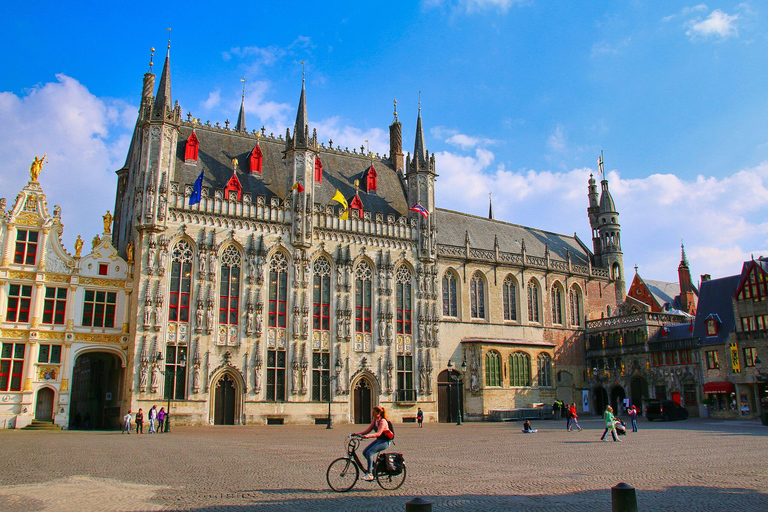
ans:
(574, 418)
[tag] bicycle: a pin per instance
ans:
(344, 472)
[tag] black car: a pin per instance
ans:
(665, 410)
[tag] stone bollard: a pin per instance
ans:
(623, 498)
(418, 505)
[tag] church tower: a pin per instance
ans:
(592, 211)
(609, 234)
(687, 290)
(420, 174)
(300, 154)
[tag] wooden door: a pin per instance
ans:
(44, 407)
(224, 406)
(362, 398)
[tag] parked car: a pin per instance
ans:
(665, 410)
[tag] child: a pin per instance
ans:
(127, 427)
(527, 429)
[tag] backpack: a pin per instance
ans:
(390, 434)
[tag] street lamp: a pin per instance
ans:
(169, 392)
(337, 369)
(458, 381)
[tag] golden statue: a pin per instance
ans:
(96, 241)
(36, 167)
(234, 164)
(78, 246)
(107, 222)
(129, 251)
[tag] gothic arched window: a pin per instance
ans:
(181, 272)
(229, 290)
(363, 280)
(450, 307)
(510, 299)
(278, 289)
(557, 304)
(321, 294)
(533, 301)
(492, 368)
(403, 299)
(520, 369)
(545, 370)
(575, 305)
(477, 296)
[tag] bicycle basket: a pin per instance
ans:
(391, 463)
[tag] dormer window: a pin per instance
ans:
(190, 149)
(370, 179)
(318, 170)
(26, 247)
(357, 204)
(256, 159)
(711, 327)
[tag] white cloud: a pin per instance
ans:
(717, 24)
(558, 140)
(460, 140)
(86, 139)
(213, 100)
(685, 12)
(721, 226)
(344, 135)
(472, 6)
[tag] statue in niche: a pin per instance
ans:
(209, 318)
(389, 376)
(347, 325)
(249, 319)
(296, 268)
(422, 377)
(435, 338)
(158, 313)
(150, 205)
(382, 279)
(137, 209)
(162, 255)
(196, 377)
(388, 322)
(257, 376)
(340, 325)
(258, 324)
(339, 278)
(296, 322)
(305, 323)
(420, 280)
(252, 266)
(473, 378)
(143, 374)
(259, 268)
(161, 207)
(147, 312)
(294, 376)
(201, 261)
(212, 266)
(199, 315)
(382, 328)
(128, 250)
(421, 328)
(154, 378)
(151, 253)
(299, 218)
(427, 284)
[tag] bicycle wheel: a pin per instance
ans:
(390, 482)
(342, 474)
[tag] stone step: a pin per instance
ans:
(41, 425)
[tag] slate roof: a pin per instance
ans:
(452, 228)
(716, 297)
(675, 332)
(340, 169)
(666, 294)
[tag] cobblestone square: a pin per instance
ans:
(694, 465)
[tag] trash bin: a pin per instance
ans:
(764, 417)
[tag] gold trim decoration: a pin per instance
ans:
(28, 385)
(51, 335)
(13, 334)
(95, 281)
(101, 338)
(64, 384)
(47, 373)
(18, 274)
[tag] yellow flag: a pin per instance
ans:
(339, 198)
(345, 215)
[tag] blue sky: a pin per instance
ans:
(518, 97)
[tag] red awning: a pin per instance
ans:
(719, 387)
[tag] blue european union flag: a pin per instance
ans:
(197, 190)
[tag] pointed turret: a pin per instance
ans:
(606, 232)
(396, 142)
(687, 290)
(301, 128)
(240, 126)
(419, 147)
(163, 102)
(606, 201)
(490, 206)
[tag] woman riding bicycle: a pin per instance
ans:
(383, 435)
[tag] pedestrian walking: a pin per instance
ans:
(139, 422)
(127, 426)
(556, 409)
(633, 416)
(160, 420)
(609, 424)
(152, 419)
(567, 414)
(574, 417)
(420, 418)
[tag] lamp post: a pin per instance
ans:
(330, 378)
(169, 392)
(458, 381)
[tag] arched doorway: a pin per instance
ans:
(44, 405)
(95, 400)
(617, 399)
(638, 391)
(362, 398)
(600, 399)
(224, 401)
(450, 389)
(565, 387)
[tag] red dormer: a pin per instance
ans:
(370, 179)
(255, 159)
(357, 204)
(318, 170)
(754, 282)
(233, 187)
(190, 149)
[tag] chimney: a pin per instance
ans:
(705, 277)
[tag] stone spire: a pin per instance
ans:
(240, 126)
(490, 206)
(301, 128)
(419, 147)
(163, 102)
